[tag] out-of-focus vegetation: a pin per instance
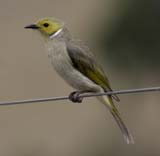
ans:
(133, 39)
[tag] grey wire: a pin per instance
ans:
(128, 91)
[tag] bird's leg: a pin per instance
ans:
(75, 96)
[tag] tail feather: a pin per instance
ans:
(109, 103)
(127, 136)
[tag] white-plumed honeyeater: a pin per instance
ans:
(76, 64)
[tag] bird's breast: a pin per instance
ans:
(59, 57)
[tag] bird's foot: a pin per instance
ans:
(75, 97)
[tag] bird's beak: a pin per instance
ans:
(32, 26)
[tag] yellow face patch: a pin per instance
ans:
(49, 26)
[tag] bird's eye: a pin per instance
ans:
(45, 24)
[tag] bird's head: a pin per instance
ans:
(46, 26)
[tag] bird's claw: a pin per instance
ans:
(75, 97)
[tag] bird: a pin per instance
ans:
(77, 65)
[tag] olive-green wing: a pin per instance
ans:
(84, 61)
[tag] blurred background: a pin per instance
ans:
(124, 36)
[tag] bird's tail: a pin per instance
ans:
(109, 103)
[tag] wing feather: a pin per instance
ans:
(84, 61)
